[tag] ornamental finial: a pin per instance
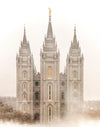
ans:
(49, 11)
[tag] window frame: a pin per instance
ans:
(49, 91)
(50, 113)
(36, 95)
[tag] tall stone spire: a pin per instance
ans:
(74, 42)
(75, 37)
(74, 72)
(50, 78)
(49, 42)
(25, 72)
(49, 32)
(25, 47)
(24, 36)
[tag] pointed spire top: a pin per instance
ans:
(24, 28)
(24, 37)
(49, 11)
(75, 37)
(74, 29)
(49, 14)
(74, 43)
(49, 32)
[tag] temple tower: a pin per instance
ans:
(74, 77)
(49, 69)
(24, 70)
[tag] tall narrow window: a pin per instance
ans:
(36, 83)
(24, 74)
(37, 96)
(49, 113)
(24, 108)
(24, 96)
(63, 83)
(49, 91)
(62, 109)
(24, 86)
(37, 117)
(62, 95)
(49, 72)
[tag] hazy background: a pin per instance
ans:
(34, 14)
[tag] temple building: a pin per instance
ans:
(49, 94)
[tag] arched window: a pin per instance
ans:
(24, 86)
(24, 96)
(62, 106)
(50, 113)
(37, 117)
(37, 105)
(49, 71)
(36, 83)
(62, 95)
(24, 74)
(50, 91)
(37, 96)
(62, 109)
(63, 83)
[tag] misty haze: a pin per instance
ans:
(50, 67)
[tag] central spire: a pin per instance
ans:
(24, 37)
(49, 32)
(49, 14)
(75, 43)
(75, 37)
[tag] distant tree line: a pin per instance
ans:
(8, 114)
(92, 114)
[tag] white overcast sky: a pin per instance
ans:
(34, 14)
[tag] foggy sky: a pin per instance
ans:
(34, 14)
